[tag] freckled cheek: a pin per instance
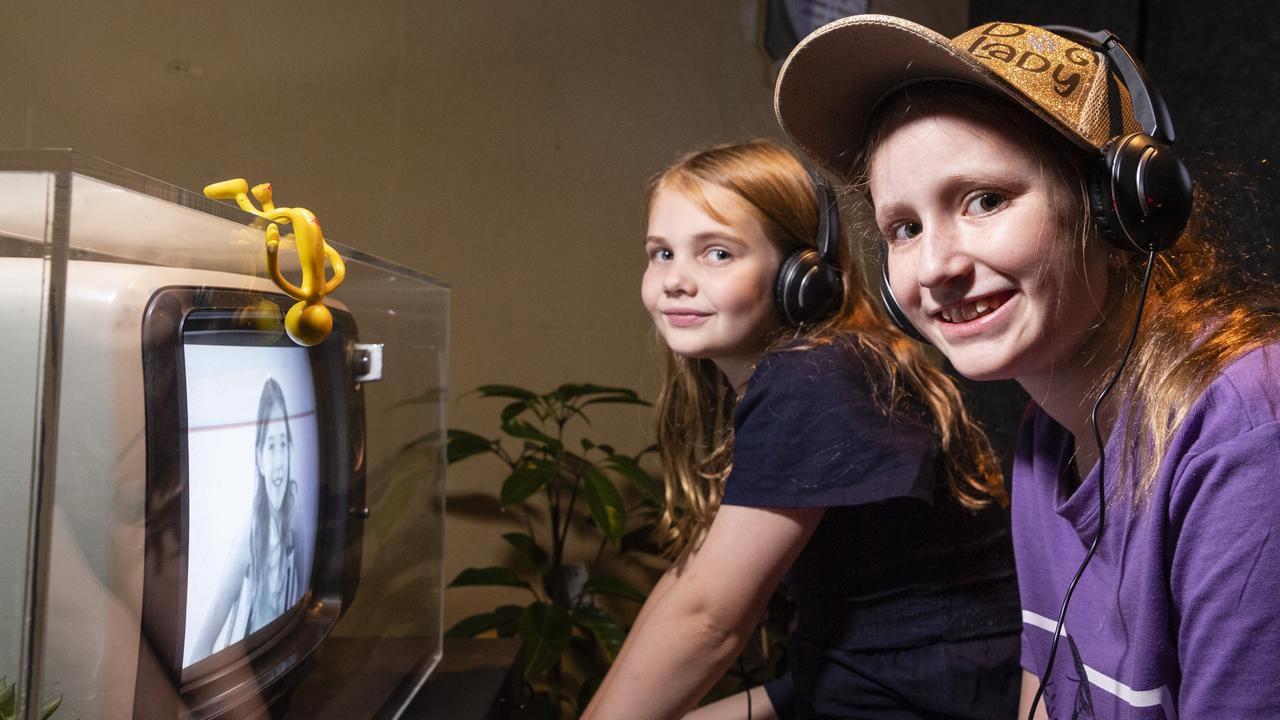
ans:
(901, 274)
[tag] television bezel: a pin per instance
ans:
(266, 663)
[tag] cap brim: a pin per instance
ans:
(836, 76)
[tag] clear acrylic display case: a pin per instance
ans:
(84, 246)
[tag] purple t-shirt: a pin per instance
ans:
(1178, 613)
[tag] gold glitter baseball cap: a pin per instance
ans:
(834, 79)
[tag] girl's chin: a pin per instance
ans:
(981, 366)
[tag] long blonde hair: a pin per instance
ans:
(1201, 313)
(695, 407)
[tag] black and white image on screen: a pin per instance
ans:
(253, 476)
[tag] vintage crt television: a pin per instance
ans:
(203, 519)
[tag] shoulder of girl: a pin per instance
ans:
(1231, 431)
(821, 364)
(1246, 394)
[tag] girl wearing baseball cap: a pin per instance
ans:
(1037, 224)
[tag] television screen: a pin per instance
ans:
(252, 482)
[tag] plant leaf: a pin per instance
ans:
(508, 616)
(631, 471)
(494, 575)
(617, 400)
(50, 708)
(530, 549)
(601, 626)
(526, 431)
(525, 481)
(6, 698)
(464, 444)
(473, 625)
(503, 619)
(605, 503)
(513, 410)
(568, 391)
(545, 630)
(609, 585)
(508, 391)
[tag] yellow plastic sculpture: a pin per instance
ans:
(308, 322)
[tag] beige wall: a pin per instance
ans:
(500, 146)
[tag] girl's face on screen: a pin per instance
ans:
(981, 256)
(709, 282)
(273, 459)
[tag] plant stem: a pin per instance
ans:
(568, 520)
(552, 580)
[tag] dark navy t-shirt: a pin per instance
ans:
(895, 563)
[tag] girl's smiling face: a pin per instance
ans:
(981, 255)
(709, 282)
(273, 458)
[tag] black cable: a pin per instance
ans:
(1102, 495)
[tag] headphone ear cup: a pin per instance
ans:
(1102, 208)
(807, 288)
(893, 309)
(1141, 196)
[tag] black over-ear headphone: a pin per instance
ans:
(1140, 191)
(810, 285)
(1140, 196)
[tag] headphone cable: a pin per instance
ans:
(1102, 496)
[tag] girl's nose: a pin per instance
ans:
(942, 257)
(678, 280)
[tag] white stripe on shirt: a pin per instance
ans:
(1135, 698)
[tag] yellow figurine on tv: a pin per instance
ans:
(308, 322)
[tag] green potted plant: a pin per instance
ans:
(562, 486)
(8, 702)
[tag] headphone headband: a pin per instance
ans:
(828, 218)
(1149, 108)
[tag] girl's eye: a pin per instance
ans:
(903, 231)
(718, 255)
(984, 203)
(660, 255)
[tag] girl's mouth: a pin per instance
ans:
(975, 309)
(685, 318)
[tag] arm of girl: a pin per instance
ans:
(1225, 577)
(225, 594)
(702, 612)
(1029, 685)
(735, 707)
